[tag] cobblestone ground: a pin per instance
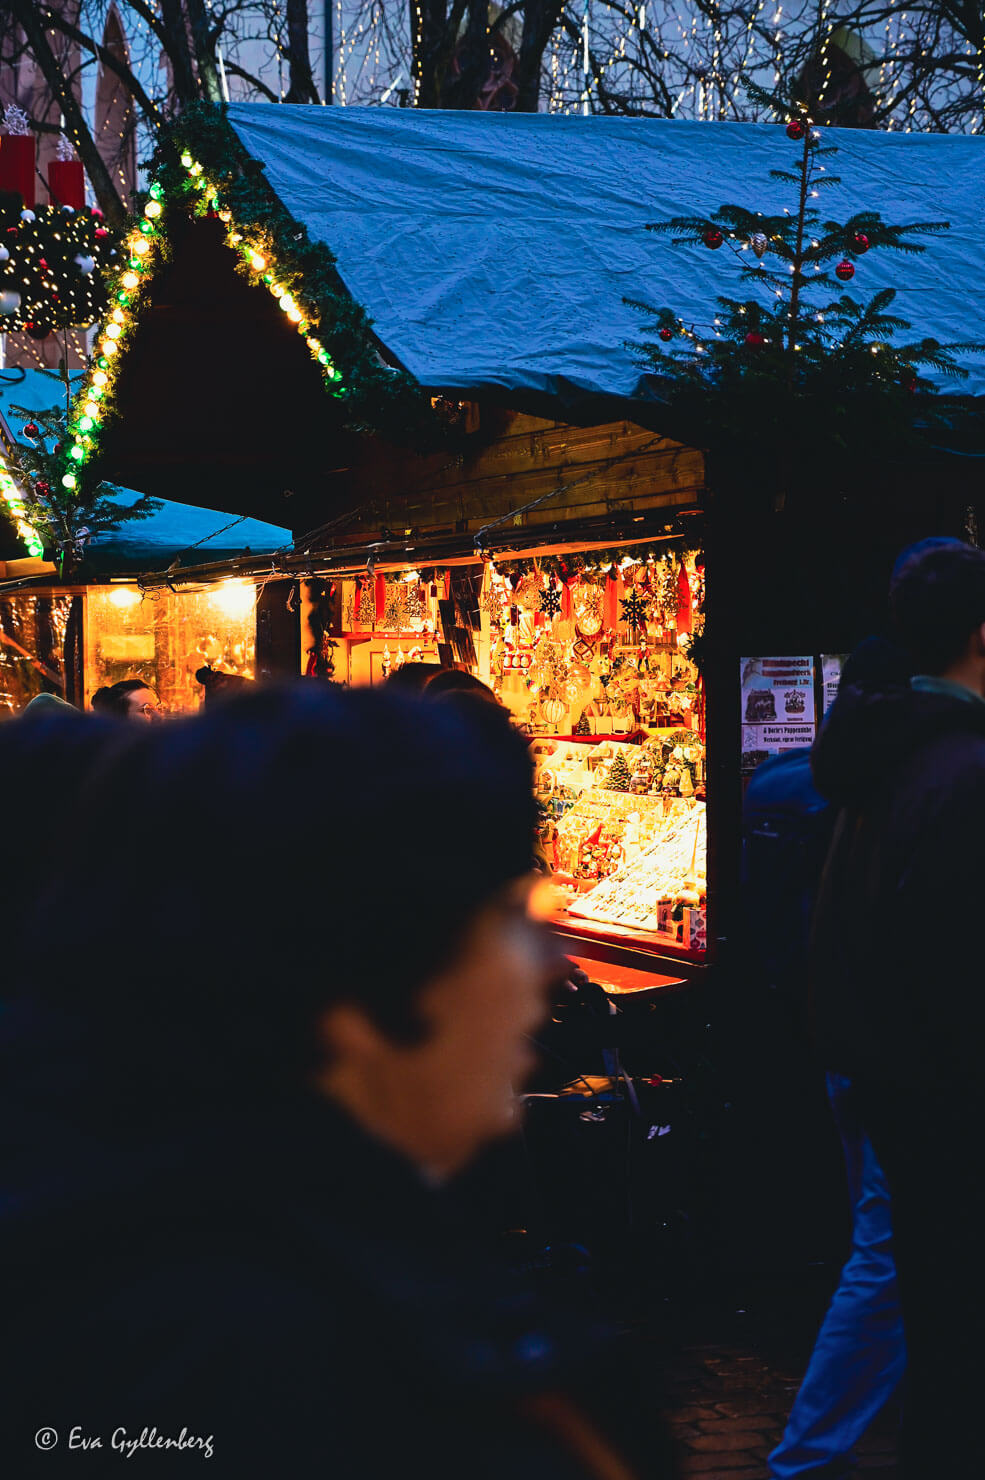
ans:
(731, 1382)
(727, 1409)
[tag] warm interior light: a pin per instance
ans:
(124, 597)
(234, 598)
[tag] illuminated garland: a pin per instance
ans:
(126, 291)
(17, 511)
(273, 251)
(257, 255)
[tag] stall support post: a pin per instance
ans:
(278, 631)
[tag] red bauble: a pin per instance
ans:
(32, 430)
(101, 231)
(861, 242)
(42, 488)
(845, 270)
(665, 334)
(43, 264)
(754, 340)
(713, 238)
(795, 129)
(96, 214)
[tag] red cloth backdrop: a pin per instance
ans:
(683, 601)
(610, 603)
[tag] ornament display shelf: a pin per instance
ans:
(629, 737)
(648, 943)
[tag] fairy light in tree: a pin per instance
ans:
(17, 511)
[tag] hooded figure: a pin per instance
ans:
(897, 972)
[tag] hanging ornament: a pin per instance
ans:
(366, 608)
(550, 601)
(587, 604)
(414, 602)
(32, 430)
(42, 488)
(860, 242)
(527, 595)
(582, 650)
(391, 606)
(635, 609)
(759, 243)
(795, 129)
(9, 302)
(713, 238)
(665, 335)
(754, 340)
(4, 255)
(667, 589)
(84, 264)
(845, 270)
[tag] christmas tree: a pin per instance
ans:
(618, 778)
(66, 510)
(801, 364)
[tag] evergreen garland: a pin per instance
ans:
(374, 397)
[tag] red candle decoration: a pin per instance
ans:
(66, 183)
(17, 165)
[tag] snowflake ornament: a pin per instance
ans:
(635, 609)
(550, 601)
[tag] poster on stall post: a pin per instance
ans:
(831, 666)
(778, 710)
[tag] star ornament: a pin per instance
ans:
(550, 601)
(635, 609)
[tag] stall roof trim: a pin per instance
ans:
(196, 536)
(495, 251)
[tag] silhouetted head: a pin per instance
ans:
(323, 878)
(937, 604)
(131, 698)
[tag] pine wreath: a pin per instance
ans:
(635, 609)
(550, 601)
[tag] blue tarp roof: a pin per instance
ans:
(199, 536)
(495, 250)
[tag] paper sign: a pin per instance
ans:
(778, 710)
(831, 666)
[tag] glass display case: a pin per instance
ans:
(165, 636)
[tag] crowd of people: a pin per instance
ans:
(236, 1098)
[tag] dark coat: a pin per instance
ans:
(897, 958)
(272, 1281)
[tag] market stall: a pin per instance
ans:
(73, 637)
(434, 378)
